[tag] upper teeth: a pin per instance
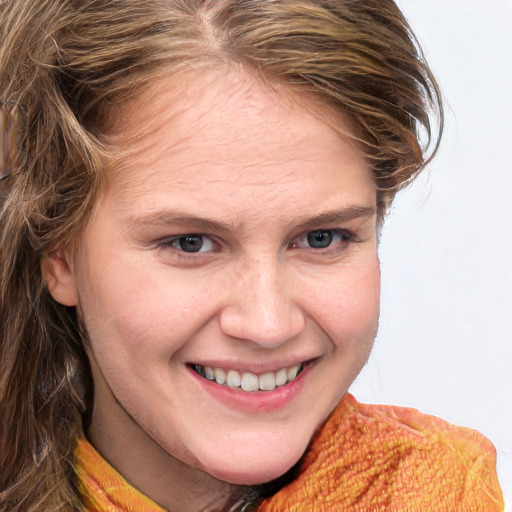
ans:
(249, 381)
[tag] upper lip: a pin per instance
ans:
(257, 367)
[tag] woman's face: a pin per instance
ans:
(235, 245)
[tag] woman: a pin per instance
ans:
(191, 278)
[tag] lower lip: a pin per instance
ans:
(254, 401)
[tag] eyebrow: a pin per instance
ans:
(184, 219)
(337, 216)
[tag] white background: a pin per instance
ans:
(445, 342)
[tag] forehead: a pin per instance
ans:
(225, 132)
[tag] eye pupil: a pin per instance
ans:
(191, 243)
(320, 239)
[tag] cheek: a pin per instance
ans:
(349, 309)
(140, 308)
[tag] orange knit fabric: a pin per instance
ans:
(366, 458)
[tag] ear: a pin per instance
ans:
(59, 277)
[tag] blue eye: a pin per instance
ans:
(189, 243)
(320, 239)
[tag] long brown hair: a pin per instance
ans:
(66, 68)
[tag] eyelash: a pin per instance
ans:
(172, 242)
(338, 237)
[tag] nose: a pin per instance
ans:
(261, 307)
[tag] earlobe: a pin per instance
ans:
(59, 277)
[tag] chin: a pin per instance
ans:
(255, 472)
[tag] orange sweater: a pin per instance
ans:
(365, 458)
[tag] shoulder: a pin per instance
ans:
(378, 457)
(409, 429)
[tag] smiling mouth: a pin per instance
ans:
(248, 381)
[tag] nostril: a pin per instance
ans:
(263, 327)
